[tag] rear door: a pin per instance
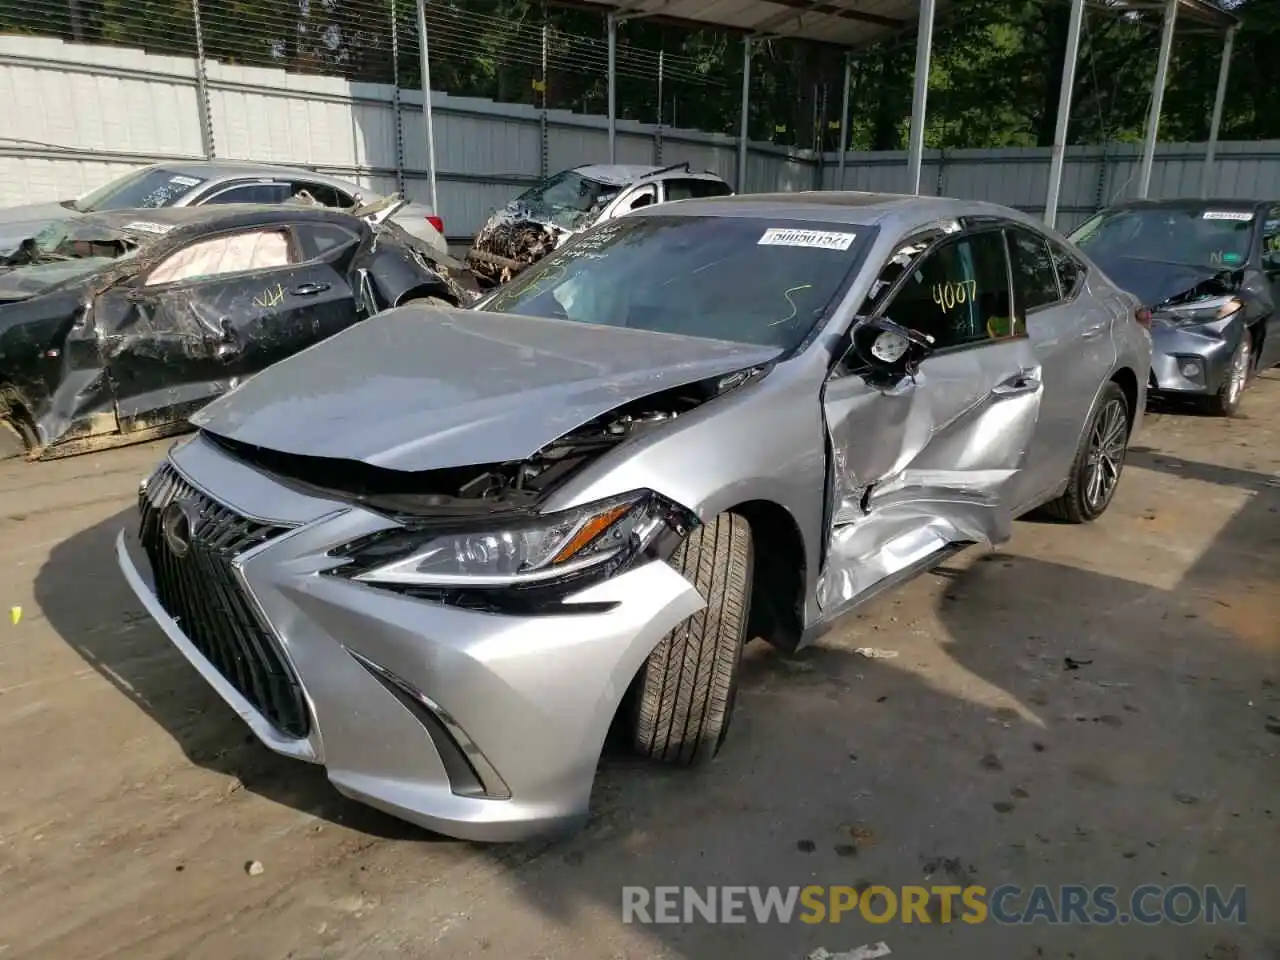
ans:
(218, 310)
(1070, 332)
(933, 460)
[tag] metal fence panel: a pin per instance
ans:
(73, 116)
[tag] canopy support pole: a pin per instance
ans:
(1061, 128)
(844, 115)
(1157, 99)
(741, 186)
(919, 96)
(426, 102)
(1206, 175)
(613, 88)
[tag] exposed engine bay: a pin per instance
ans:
(506, 246)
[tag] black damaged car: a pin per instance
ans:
(1209, 271)
(115, 327)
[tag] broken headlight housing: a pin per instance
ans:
(524, 562)
(1208, 310)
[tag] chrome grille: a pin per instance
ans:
(191, 541)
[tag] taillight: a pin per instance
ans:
(437, 223)
(1143, 316)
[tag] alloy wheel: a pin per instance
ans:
(1106, 454)
(1239, 373)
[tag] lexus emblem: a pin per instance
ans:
(175, 526)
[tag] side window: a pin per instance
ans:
(323, 193)
(711, 188)
(230, 253)
(643, 197)
(692, 189)
(1271, 240)
(959, 294)
(252, 193)
(681, 189)
(1070, 270)
(1035, 278)
(318, 239)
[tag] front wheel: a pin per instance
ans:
(1095, 473)
(686, 689)
(1226, 401)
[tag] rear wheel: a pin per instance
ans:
(686, 689)
(1095, 474)
(1226, 401)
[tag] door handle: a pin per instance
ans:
(309, 289)
(1024, 381)
(1094, 331)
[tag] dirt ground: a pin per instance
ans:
(132, 799)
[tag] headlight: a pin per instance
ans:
(571, 545)
(1201, 311)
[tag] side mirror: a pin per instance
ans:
(888, 350)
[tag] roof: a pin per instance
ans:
(845, 23)
(1202, 12)
(220, 169)
(135, 222)
(831, 206)
(624, 174)
(849, 23)
(1191, 203)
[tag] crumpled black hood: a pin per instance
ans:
(1153, 282)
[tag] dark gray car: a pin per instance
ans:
(1209, 271)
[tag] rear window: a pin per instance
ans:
(744, 280)
(1193, 236)
(149, 187)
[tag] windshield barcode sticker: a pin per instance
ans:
(1244, 216)
(818, 239)
(184, 181)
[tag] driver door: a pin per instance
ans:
(218, 310)
(923, 464)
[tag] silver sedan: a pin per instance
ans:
(193, 183)
(441, 552)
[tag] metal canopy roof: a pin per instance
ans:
(851, 23)
(846, 23)
(1197, 11)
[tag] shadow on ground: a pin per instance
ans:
(990, 761)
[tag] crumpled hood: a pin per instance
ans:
(1153, 282)
(22, 223)
(423, 388)
(21, 283)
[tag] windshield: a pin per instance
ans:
(72, 240)
(567, 200)
(744, 280)
(1190, 236)
(148, 187)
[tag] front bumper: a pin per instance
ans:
(1202, 348)
(528, 699)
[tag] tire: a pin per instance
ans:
(1226, 401)
(1077, 503)
(685, 691)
